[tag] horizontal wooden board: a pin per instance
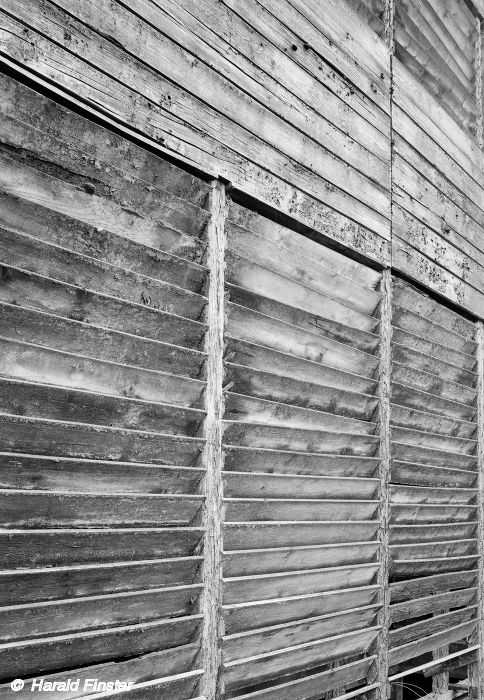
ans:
(255, 614)
(267, 586)
(300, 658)
(298, 510)
(309, 687)
(36, 509)
(75, 337)
(29, 362)
(41, 619)
(26, 658)
(290, 634)
(56, 547)
(54, 438)
(19, 471)
(264, 485)
(243, 562)
(142, 668)
(285, 534)
(35, 585)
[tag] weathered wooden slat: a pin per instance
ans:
(428, 347)
(309, 687)
(148, 666)
(40, 619)
(248, 409)
(292, 265)
(433, 441)
(419, 303)
(26, 362)
(273, 509)
(441, 549)
(251, 220)
(281, 462)
(290, 634)
(27, 658)
(431, 585)
(88, 275)
(296, 439)
(423, 494)
(58, 439)
(432, 365)
(36, 509)
(25, 217)
(258, 357)
(94, 151)
(276, 560)
(299, 658)
(259, 535)
(19, 180)
(252, 327)
(413, 474)
(80, 338)
(420, 454)
(274, 387)
(425, 628)
(18, 471)
(432, 532)
(34, 255)
(36, 585)
(181, 687)
(445, 283)
(325, 317)
(412, 322)
(260, 485)
(431, 390)
(407, 568)
(431, 513)
(24, 289)
(268, 586)
(59, 155)
(431, 604)
(245, 616)
(38, 400)
(405, 417)
(434, 641)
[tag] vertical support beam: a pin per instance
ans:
(440, 682)
(213, 458)
(383, 692)
(476, 671)
(388, 21)
(478, 67)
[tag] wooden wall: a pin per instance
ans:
(315, 126)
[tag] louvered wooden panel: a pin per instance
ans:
(435, 40)
(102, 305)
(301, 460)
(433, 538)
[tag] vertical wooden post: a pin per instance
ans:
(476, 671)
(478, 67)
(440, 682)
(214, 345)
(383, 574)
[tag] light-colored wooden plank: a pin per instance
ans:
(213, 456)
(430, 604)
(259, 484)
